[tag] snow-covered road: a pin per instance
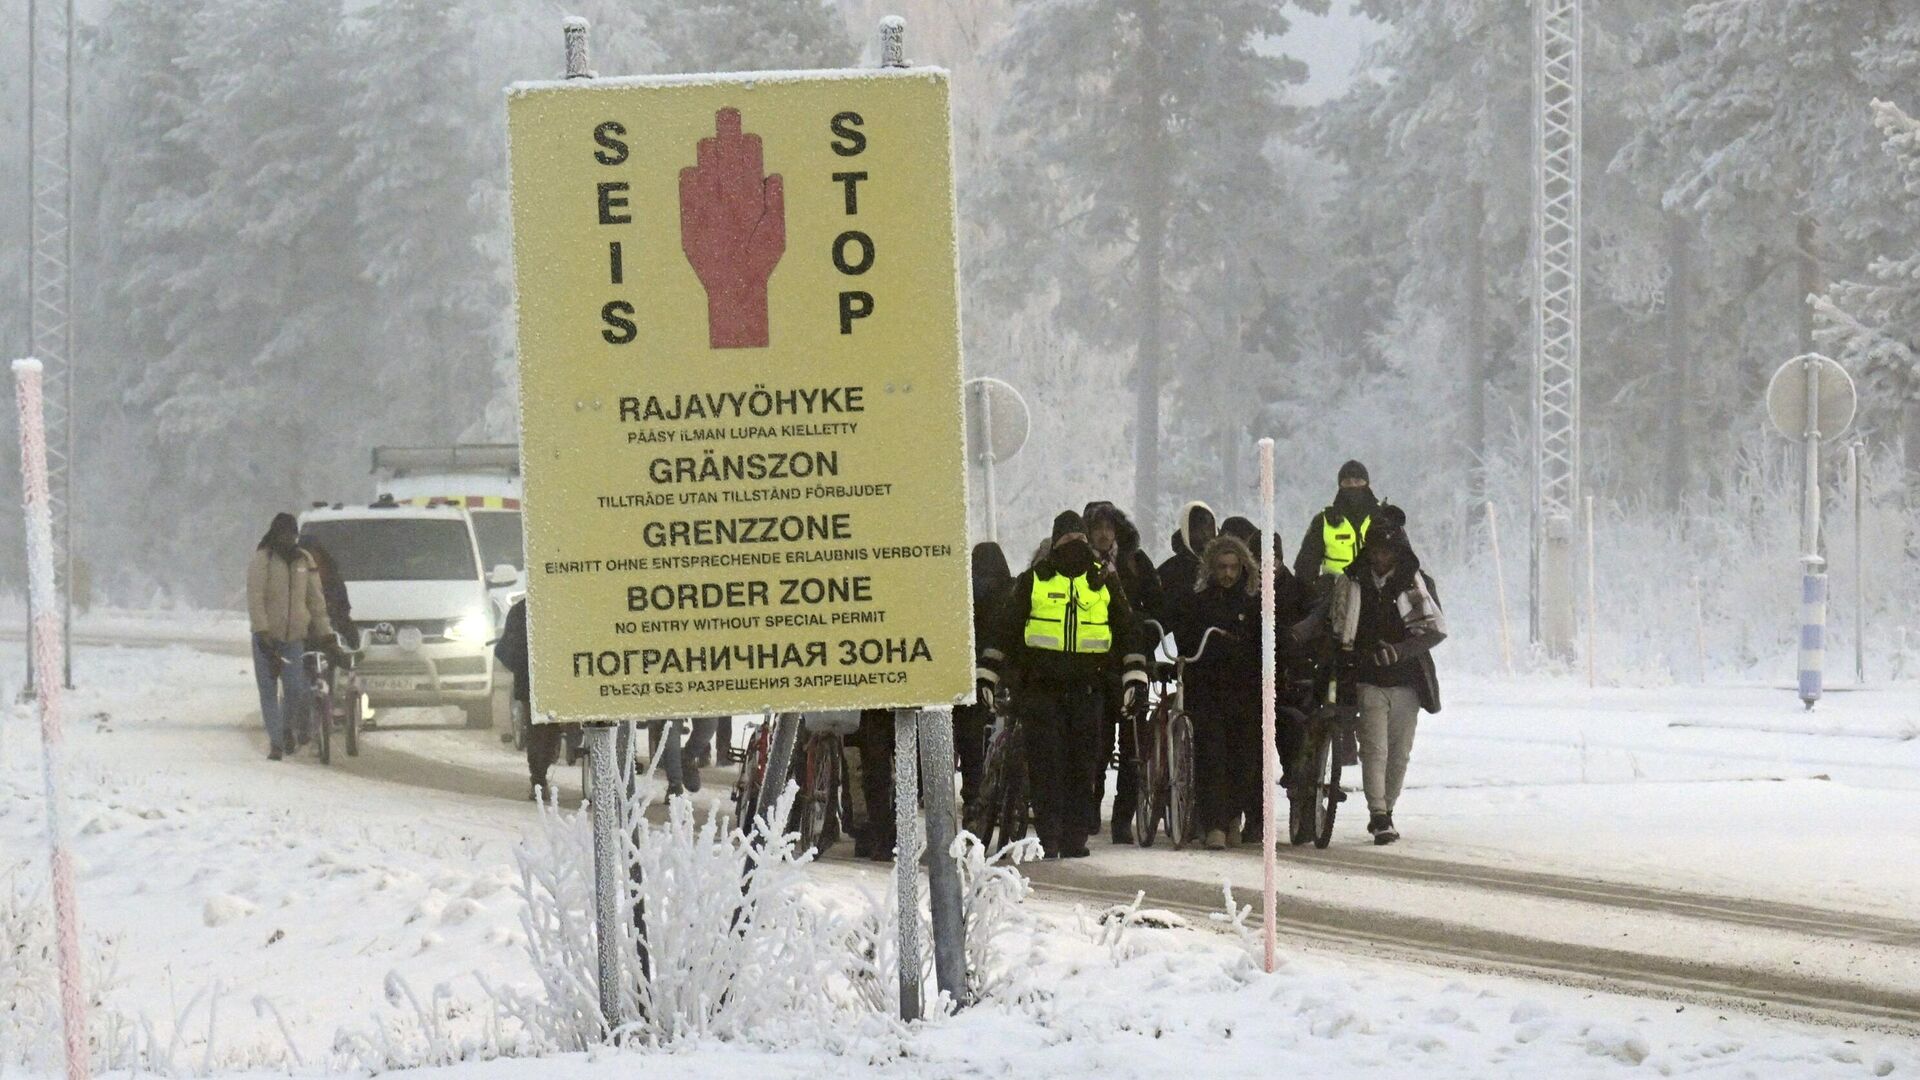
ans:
(305, 886)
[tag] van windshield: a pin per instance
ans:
(397, 549)
(499, 534)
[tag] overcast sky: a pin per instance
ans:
(1332, 45)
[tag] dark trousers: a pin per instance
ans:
(543, 748)
(1226, 761)
(970, 726)
(875, 739)
(1063, 729)
(1116, 729)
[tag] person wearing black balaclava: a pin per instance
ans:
(991, 580)
(1336, 534)
(1116, 543)
(1062, 631)
(285, 607)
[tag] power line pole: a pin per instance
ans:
(1557, 92)
(50, 275)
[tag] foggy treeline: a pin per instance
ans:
(292, 246)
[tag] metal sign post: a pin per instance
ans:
(997, 424)
(943, 876)
(1269, 689)
(1807, 394)
(906, 857)
(47, 657)
(607, 804)
(1855, 451)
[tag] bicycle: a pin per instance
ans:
(1003, 809)
(1163, 738)
(319, 703)
(333, 700)
(824, 802)
(1315, 795)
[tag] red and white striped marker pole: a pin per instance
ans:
(48, 667)
(1269, 687)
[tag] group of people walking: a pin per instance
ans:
(1069, 642)
(1070, 639)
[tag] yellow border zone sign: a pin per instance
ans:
(740, 394)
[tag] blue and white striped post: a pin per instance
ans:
(1813, 627)
(1813, 574)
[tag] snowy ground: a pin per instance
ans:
(242, 894)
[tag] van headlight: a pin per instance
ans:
(471, 627)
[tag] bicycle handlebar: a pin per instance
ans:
(1204, 638)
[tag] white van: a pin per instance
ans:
(482, 478)
(420, 600)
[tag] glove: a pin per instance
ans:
(984, 690)
(1385, 656)
(265, 642)
(1133, 699)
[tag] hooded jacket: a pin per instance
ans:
(284, 597)
(1182, 569)
(1361, 614)
(1138, 575)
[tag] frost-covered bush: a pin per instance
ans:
(735, 946)
(30, 991)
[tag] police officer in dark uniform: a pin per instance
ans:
(1064, 628)
(1336, 533)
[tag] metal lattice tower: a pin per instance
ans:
(50, 267)
(1557, 91)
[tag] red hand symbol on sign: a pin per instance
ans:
(733, 227)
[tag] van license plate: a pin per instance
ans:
(387, 682)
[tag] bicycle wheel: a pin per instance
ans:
(1330, 802)
(1016, 807)
(810, 806)
(356, 709)
(983, 818)
(1144, 818)
(1180, 787)
(1303, 797)
(323, 720)
(1147, 778)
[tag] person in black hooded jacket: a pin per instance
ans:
(1223, 689)
(1182, 568)
(1116, 542)
(1062, 631)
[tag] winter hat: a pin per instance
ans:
(1391, 536)
(1068, 522)
(1242, 530)
(1353, 470)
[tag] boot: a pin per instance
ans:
(1122, 830)
(1216, 839)
(1386, 833)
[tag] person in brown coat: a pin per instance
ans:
(285, 607)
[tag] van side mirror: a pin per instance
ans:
(503, 575)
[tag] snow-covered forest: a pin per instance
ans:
(292, 246)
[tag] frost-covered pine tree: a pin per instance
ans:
(1136, 198)
(428, 173)
(1872, 323)
(1431, 222)
(748, 35)
(267, 358)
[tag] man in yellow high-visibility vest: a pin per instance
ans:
(1060, 632)
(1336, 534)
